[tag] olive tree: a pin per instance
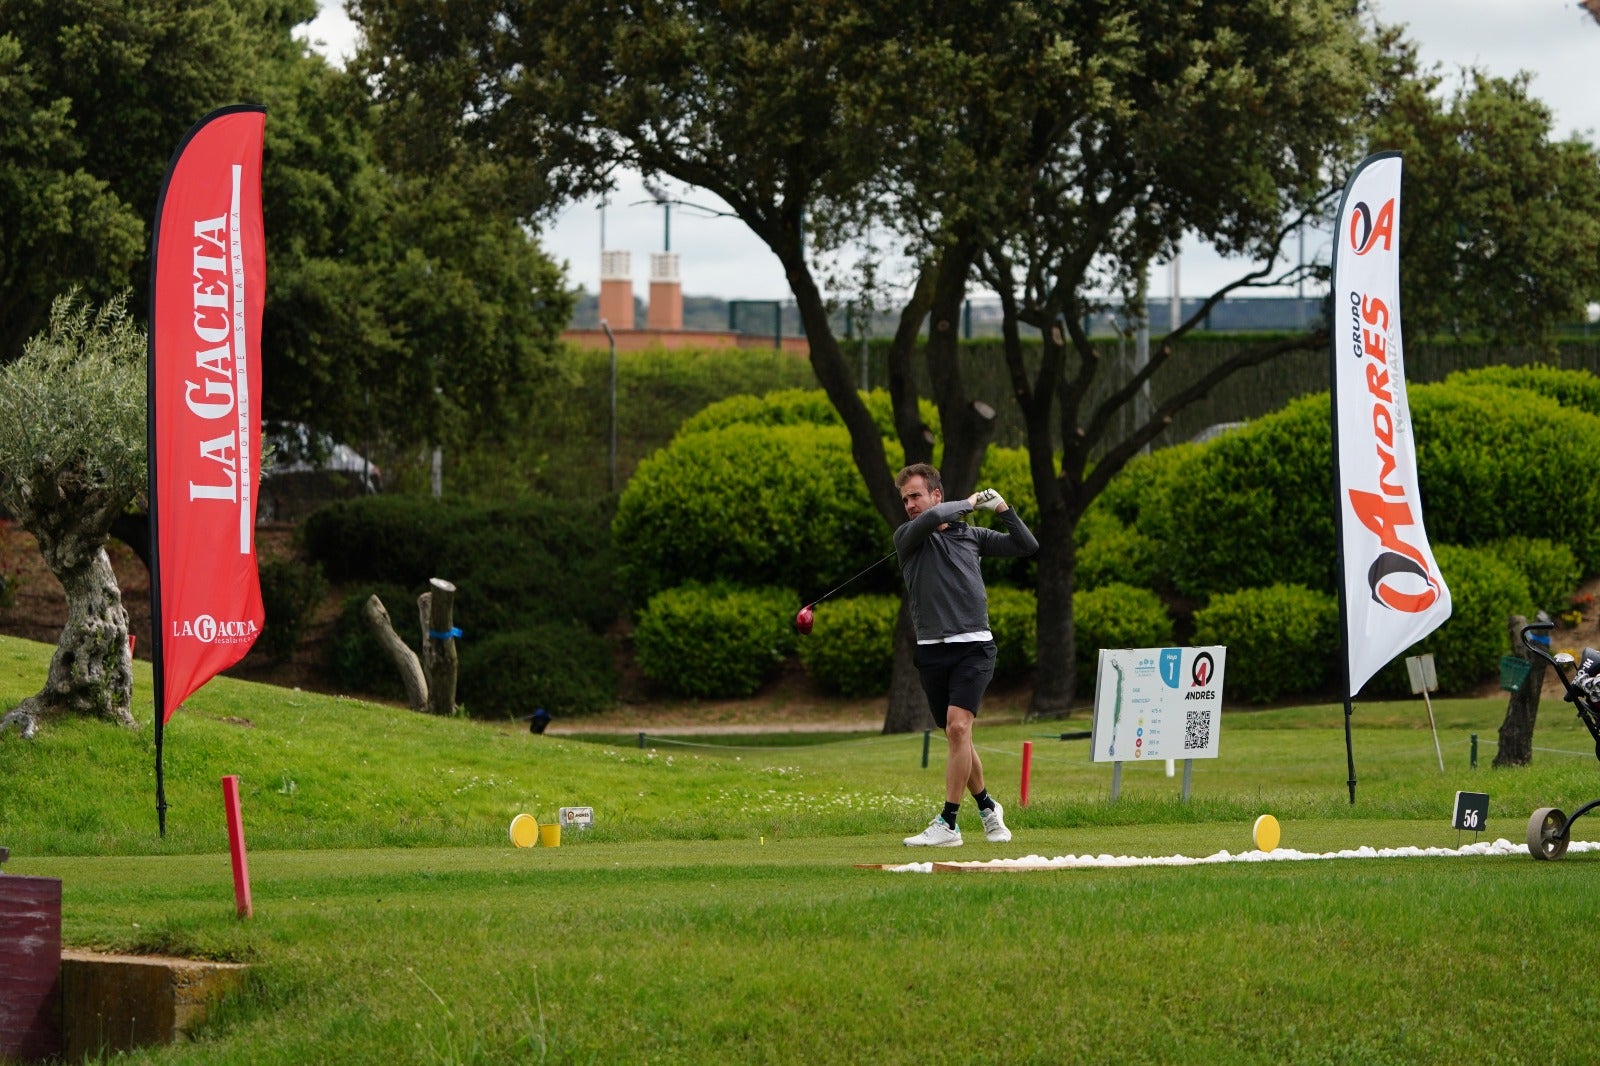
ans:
(72, 458)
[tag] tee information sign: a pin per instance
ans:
(1157, 703)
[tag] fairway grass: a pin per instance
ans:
(715, 913)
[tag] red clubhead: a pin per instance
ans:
(803, 620)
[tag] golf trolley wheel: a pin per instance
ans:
(1547, 833)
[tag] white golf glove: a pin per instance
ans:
(988, 500)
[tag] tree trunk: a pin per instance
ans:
(405, 660)
(1522, 711)
(439, 645)
(908, 704)
(1056, 676)
(91, 671)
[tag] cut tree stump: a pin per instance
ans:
(437, 607)
(405, 660)
(1522, 711)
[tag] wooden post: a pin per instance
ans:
(1522, 711)
(377, 619)
(437, 607)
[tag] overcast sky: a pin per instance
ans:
(1554, 40)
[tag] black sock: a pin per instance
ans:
(949, 814)
(985, 803)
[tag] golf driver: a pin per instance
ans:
(804, 618)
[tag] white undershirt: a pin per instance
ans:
(962, 638)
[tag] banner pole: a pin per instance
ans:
(157, 673)
(1338, 540)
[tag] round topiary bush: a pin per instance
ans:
(1282, 640)
(1117, 616)
(779, 506)
(850, 650)
(561, 667)
(714, 640)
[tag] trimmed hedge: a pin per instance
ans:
(1578, 389)
(1551, 569)
(561, 667)
(1254, 507)
(790, 407)
(1281, 640)
(850, 650)
(1117, 616)
(1117, 555)
(714, 640)
(776, 506)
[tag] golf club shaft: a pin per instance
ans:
(847, 581)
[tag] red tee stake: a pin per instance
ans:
(241, 868)
(1027, 768)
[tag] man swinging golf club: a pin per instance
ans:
(939, 557)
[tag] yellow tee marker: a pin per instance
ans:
(524, 830)
(1266, 833)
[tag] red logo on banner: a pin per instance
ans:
(208, 287)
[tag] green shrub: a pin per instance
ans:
(1013, 619)
(779, 506)
(851, 647)
(714, 640)
(379, 538)
(1144, 482)
(1493, 463)
(1282, 640)
(513, 565)
(1117, 555)
(1485, 590)
(1579, 389)
(1117, 616)
(290, 591)
(790, 407)
(358, 662)
(1498, 462)
(561, 667)
(1550, 569)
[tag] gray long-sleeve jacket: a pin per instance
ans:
(940, 567)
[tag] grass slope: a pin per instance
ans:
(714, 913)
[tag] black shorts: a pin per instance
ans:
(955, 675)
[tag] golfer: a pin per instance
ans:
(939, 556)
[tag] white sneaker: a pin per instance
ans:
(994, 825)
(937, 835)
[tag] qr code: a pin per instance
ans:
(1197, 728)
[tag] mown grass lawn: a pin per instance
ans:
(714, 914)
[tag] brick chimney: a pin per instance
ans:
(666, 292)
(616, 289)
